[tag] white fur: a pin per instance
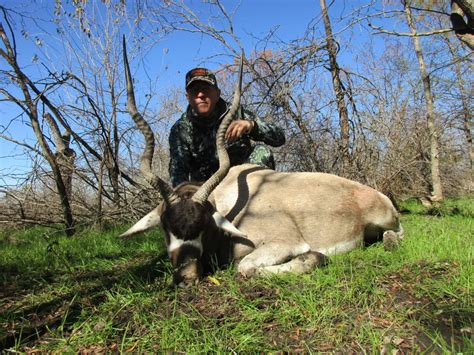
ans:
(270, 254)
(224, 224)
(148, 222)
(176, 243)
(341, 247)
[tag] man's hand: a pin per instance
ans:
(238, 128)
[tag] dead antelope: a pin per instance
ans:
(264, 221)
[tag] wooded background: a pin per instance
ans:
(398, 117)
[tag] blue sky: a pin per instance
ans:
(169, 59)
(253, 18)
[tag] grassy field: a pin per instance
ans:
(95, 292)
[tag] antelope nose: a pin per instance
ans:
(187, 283)
(188, 274)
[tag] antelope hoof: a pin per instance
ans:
(391, 240)
(315, 259)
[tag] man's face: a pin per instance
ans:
(202, 97)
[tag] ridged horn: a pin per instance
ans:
(147, 157)
(205, 190)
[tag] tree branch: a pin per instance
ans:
(409, 34)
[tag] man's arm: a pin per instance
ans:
(266, 132)
(257, 129)
(179, 167)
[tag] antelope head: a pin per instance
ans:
(184, 215)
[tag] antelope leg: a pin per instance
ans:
(269, 254)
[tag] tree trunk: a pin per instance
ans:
(99, 219)
(65, 156)
(297, 118)
(437, 189)
(31, 110)
(466, 114)
(338, 90)
(462, 19)
(58, 178)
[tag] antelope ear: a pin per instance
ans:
(148, 222)
(224, 224)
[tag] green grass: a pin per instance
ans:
(95, 292)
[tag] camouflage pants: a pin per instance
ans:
(263, 156)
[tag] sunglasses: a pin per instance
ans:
(196, 89)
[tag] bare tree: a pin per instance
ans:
(434, 155)
(274, 91)
(437, 188)
(464, 110)
(65, 155)
(81, 106)
(339, 90)
(29, 105)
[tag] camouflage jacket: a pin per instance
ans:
(192, 142)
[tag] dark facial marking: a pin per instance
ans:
(185, 219)
(184, 254)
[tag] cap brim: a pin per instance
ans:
(201, 78)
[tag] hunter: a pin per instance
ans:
(192, 138)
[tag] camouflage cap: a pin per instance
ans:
(200, 74)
